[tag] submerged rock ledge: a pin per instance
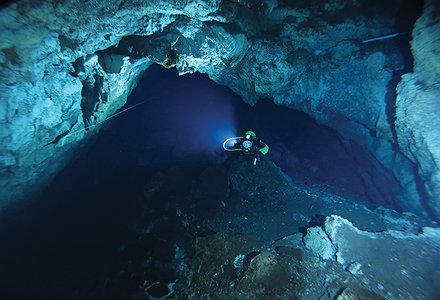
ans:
(364, 265)
(66, 66)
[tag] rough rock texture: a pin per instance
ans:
(309, 57)
(62, 72)
(56, 81)
(418, 106)
(265, 226)
(410, 258)
(318, 242)
(216, 275)
(53, 85)
(386, 265)
(266, 201)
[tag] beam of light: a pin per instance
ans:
(220, 132)
(191, 120)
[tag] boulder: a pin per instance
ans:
(395, 264)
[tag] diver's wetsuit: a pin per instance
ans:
(249, 144)
(257, 144)
(253, 150)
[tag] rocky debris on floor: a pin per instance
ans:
(382, 256)
(260, 180)
(238, 267)
(263, 199)
(394, 264)
(336, 261)
(318, 241)
(262, 236)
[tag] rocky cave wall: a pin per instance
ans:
(418, 105)
(67, 65)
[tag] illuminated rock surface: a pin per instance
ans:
(265, 255)
(62, 72)
(386, 265)
(392, 263)
(236, 231)
(218, 231)
(418, 106)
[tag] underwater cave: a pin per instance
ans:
(128, 170)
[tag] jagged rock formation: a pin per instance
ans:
(265, 237)
(193, 236)
(362, 265)
(418, 105)
(372, 257)
(66, 66)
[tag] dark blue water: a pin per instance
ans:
(80, 233)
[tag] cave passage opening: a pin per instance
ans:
(185, 119)
(79, 221)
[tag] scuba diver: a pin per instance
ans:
(249, 144)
